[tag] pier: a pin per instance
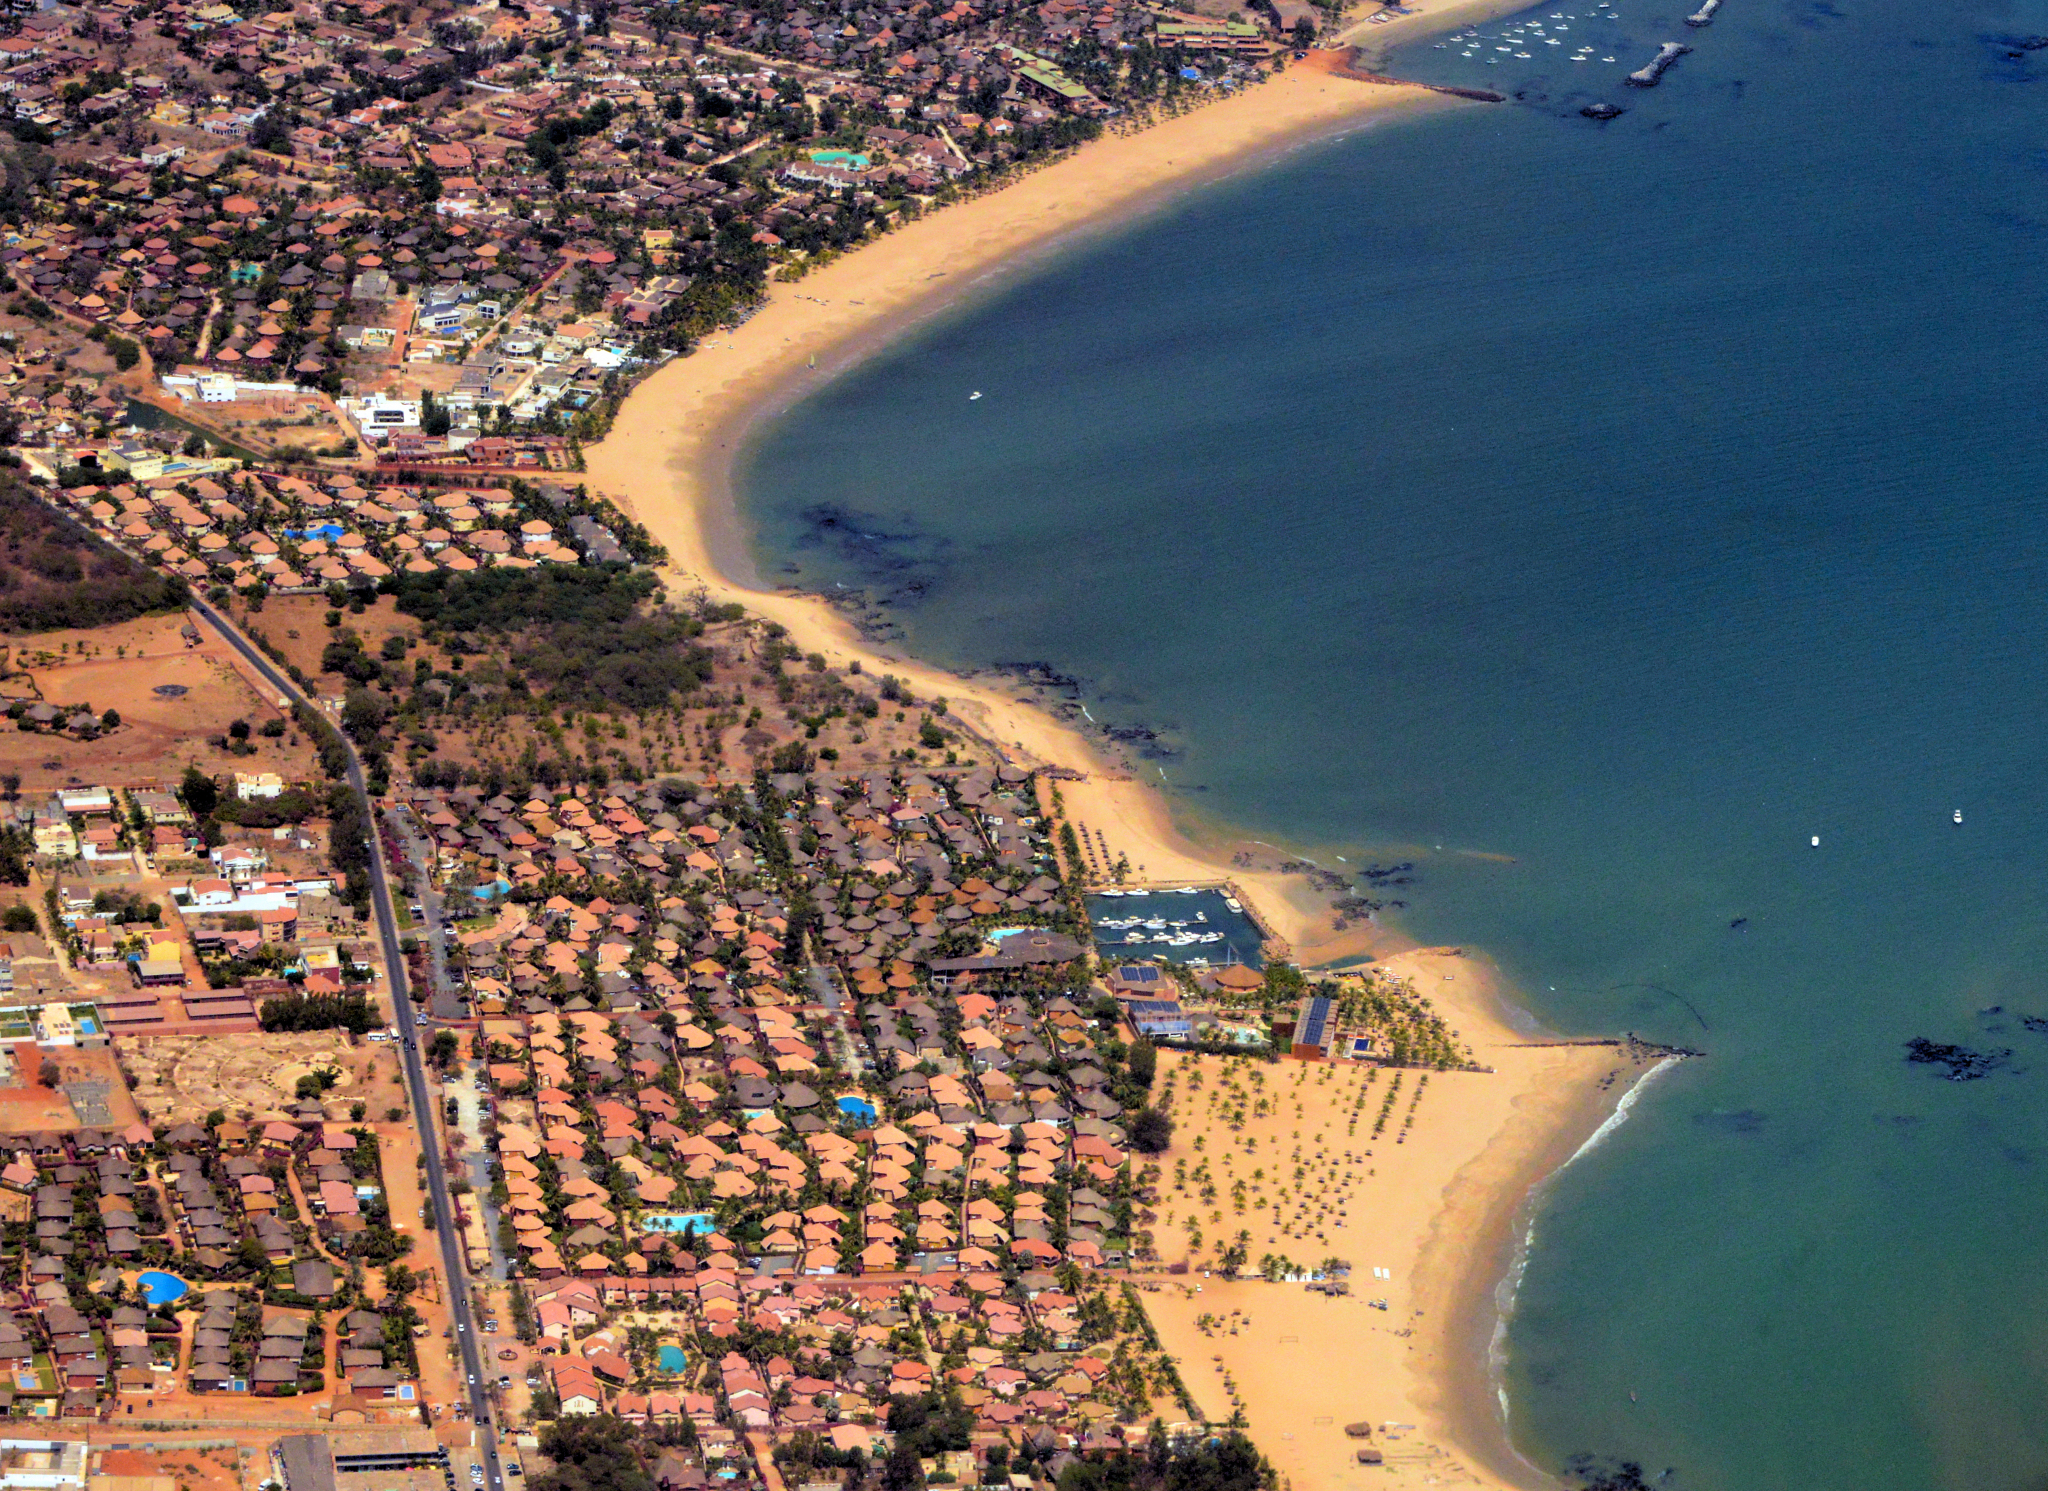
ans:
(1647, 75)
(1705, 14)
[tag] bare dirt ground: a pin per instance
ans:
(182, 1078)
(263, 424)
(85, 1090)
(296, 625)
(193, 1470)
(172, 699)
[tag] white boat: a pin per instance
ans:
(1157, 924)
(1233, 903)
(973, 396)
(1959, 815)
(1190, 890)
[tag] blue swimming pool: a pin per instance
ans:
(860, 1108)
(682, 1221)
(672, 1358)
(162, 1288)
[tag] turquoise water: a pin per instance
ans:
(1637, 501)
(681, 1221)
(161, 1288)
(673, 1358)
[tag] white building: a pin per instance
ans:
(377, 413)
(220, 388)
(39, 1464)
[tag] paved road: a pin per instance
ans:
(442, 1000)
(454, 1265)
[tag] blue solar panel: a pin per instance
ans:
(1312, 1027)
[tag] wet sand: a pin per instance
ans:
(1444, 1199)
(667, 459)
(1442, 1211)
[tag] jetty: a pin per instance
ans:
(1704, 16)
(1647, 75)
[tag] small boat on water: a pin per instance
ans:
(973, 396)
(1959, 815)
(1233, 903)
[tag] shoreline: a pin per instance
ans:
(1446, 1212)
(668, 462)
(847, 310)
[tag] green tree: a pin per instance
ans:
(1151, 1131)
(199, 792)
(591, 1453)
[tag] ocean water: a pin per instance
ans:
(1594, 515)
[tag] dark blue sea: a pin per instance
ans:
(1639, 501)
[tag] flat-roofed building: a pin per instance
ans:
(1315, 1028)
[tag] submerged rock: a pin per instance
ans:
(1964, 1065)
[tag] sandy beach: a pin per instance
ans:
(1438, 1205)
(667, 458)
(1437, 1209)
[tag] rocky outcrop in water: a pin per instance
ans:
(1961, 1063)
